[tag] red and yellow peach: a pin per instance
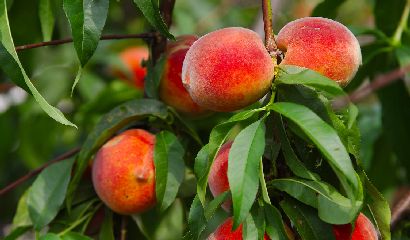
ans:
(363, 230)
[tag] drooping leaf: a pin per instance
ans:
(201, 162)
(307, 223)
(87, 20)
(153, 78)
(22, 217)
(292, 75)
(10, 64)
(274, 223)
(217, 137)
(47, 193)
(169, 168)
(332, 207)
(327, 141)
(46, 15)
(378, 206)
(249, 230)
(265, 194)
(243, 169)
(107, 126)
(151, 12)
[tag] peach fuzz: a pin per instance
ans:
(322, 45)
(171, 90)
(123, 172)
(224, 232)
(218, 175)
(227, 69)
(132, 59)
(363, 230)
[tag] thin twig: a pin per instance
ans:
(5, 87)
(124, 220)
(267, 23)
(400, 208)
(38, 170)
(105, 37)
(379, 82)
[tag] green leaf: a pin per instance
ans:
(201, 162)
(153, 78)
(74, 236)
(107, 227)
(292, 160)
(307, 223)
(22, 217)
(217, 137)
(45, 13)
(10, 64)
(265, 194)
(378, 206)
(243, 169)
(388, 22)
(258, 216)
(332, 206)
(47, 193)
(87, 20)
(292, 75)
(249, 230)
(275, 227)
(108, 125)
(151, 12)
(50, 236)
(327, 141)
(169, 168)
(216, 203)
(17, 232)
(327, 8)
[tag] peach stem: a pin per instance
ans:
(267, 21)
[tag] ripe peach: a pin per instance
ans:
(132, 59)
(218, 175)
(322, 45)
(363, 230)
(224, 232)
(227, 69)
(171, 90)
(123, 172)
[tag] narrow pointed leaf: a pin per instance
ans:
(274, 224)
(46, 15)
(169, 168)
(10, 64)
(327, 141)
(243, 169)
(47, 193)
(151, 12)
(87, 20)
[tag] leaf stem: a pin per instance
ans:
(270, 43)
(396, 39)
(148, 35)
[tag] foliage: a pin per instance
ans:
(294, 158)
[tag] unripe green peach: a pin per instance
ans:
(132, 59)
(322, 45)
(123, 172)
(227, 69)
(171, 90)
(363, 230)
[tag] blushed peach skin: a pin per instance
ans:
(227, 69)
(218, 175)
(171, 90)
(224, 232)
(322, 45)
(132, 58)
(123, 172)
(363, 230)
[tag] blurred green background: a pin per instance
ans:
(29, 138)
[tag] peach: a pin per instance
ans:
(227, 69)
(224, 232)
(132, 59)
(171, 90)
(322, 45)
(363, 230)
(218, 175)
(123, 172)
